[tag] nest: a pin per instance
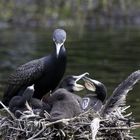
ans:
(86, 126)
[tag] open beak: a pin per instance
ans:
(58, 47)
(90, 83)
(79, 87)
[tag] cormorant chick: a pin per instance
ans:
(17, 104)
(64, 105)
(70, 84)
(118, 98)
(63, 102)
(96, 94)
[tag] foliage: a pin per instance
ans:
(70, 12)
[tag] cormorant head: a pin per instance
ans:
(59, 37)
(96, 87)
(28, 93)
(70, 83)
(17, 105)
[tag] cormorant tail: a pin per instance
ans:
(118, 98)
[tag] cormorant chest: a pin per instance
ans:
(52, 75)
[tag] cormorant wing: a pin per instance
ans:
(27, 72)
(118, 97)
(24, 76)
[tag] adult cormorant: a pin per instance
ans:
(45, 73)
(96, 94)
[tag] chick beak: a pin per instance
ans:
(79, 87)
(90, 84)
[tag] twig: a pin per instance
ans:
(31, 138)
(17, 129)
(37, 128)
(12, 115)
(115, 128)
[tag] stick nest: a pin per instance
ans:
(33, 127)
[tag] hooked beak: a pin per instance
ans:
(90, 83)
(79, 87)
(31, 87)
(58, 47)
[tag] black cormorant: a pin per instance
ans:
(96, 94)
(45, 73)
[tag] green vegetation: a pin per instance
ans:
(70, 12)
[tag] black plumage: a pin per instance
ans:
(64, 105)
(70, 82)
(118, 98)
(67, 85)
(115, 101)
(96, 94)
(18, 104)
(45, 73)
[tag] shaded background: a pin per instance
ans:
(103, 38)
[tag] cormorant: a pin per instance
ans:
(118, 98)
(69, 83)
(64, 105)
(45, 73)
(96, 95)
(17, 104)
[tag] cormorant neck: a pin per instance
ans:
(62, 52)
(101, 93)
(64, 86)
